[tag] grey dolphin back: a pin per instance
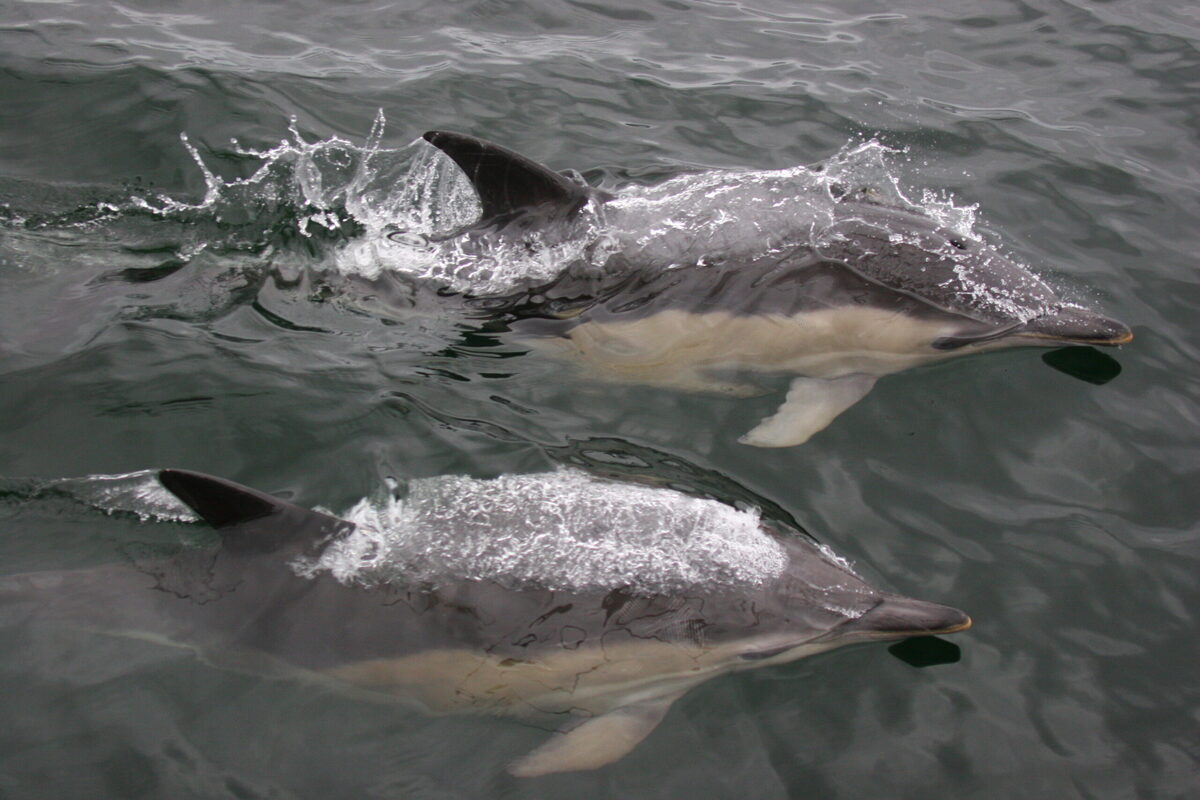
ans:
(930, 262)
(962, 277)
(508, 182)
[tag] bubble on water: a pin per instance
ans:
(563, 530)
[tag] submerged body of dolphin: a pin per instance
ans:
(706, 282)
(605, 662)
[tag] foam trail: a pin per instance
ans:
(563, 530)
(137, 493)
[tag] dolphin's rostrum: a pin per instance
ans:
(603, 664)
(706, 282)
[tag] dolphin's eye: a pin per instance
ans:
(959, 243)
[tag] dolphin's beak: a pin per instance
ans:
(896, 617)
(1077, 326)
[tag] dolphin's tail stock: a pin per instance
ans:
(21, 595)
(86, 598)
(131, 591)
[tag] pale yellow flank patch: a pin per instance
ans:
(834, 354)
(677, 348)
(589, 680)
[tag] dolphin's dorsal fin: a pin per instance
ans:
(508, 182)
(598, 741)
(250, 521)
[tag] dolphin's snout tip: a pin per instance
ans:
(1079, 326)
(1111, 333)
(896, 617)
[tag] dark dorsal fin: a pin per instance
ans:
(250, 521)
(507, 182)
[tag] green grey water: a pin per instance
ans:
(1058, 512)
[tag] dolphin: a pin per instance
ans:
(707, 282)
(603, 664)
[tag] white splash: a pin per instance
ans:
(730, 214)
(733, 215)
(477, 265)
(563, 530)
(137, 493)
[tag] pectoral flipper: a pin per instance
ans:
(811, 404)
(598, 741)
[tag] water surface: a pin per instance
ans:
(217, 330)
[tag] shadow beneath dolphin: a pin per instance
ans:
(1085, 363)
(927, 651)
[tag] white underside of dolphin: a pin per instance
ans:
(836, 354)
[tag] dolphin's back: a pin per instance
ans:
(218, 598)
(861, 269)
(786, 284)
(908, 252)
